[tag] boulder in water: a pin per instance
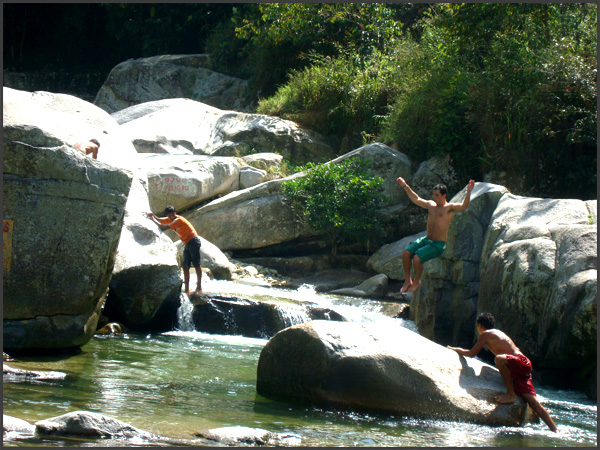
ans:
(84, 423)
(381, 368)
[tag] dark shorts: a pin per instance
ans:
(426, 249)
(520, 372)
(191, 253)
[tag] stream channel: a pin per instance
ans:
(177, 383)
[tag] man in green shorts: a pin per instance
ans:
(441, 213)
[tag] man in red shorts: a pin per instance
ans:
(187, 233)
(513, 365)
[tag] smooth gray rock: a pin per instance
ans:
(388, 258)
(382, 368)
(251, 176)
(170, 76)
(188, 182)
(236, 436)
(84, 423)
(13, 425)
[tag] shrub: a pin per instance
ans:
(340, 200)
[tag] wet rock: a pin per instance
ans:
(236, 436)
(84, 423)
(12, 374)
(13, 425)
(374, 287)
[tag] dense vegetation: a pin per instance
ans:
(504, 88)
(340, 200)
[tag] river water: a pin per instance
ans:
(178, 383)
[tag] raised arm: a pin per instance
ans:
(412, 195)
(460, 207)
(154, 219)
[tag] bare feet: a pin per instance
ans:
(406, 285)
(505, 398)
(414, 286)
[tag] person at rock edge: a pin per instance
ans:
(431, 246)
(88, 147)
(513, 365)
(188, 235)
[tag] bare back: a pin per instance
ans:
(498, 342)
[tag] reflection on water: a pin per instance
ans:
(177, 383)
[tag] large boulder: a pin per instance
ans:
(63, 215)
(145, 286)
(240, 134)
(381, 368)
(258, 217)
(71, 119)
(183, 126)
(171, 76)
(175, 126)
(539, 279)
(184, 182)
(445, 306)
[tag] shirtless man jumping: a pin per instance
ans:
(513, 365)
(433, 245)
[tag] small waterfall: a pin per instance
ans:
(184, 314)
(292, 316)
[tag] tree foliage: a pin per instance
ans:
(340, 200)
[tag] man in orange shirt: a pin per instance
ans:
(186, 232)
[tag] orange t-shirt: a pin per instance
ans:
(182, 227)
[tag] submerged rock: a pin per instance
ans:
(12, 374)
(13, 425)
(249, 436)
(382, 368)
(84, 423)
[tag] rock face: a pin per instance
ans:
(445, 306)
(382, 369)
(84, 423)
(63, 214)
(539, 279)
(170, 76)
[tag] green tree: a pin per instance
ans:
(340, 200)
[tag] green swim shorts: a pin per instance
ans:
(426, 249)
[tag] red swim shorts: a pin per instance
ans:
(520, 372)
